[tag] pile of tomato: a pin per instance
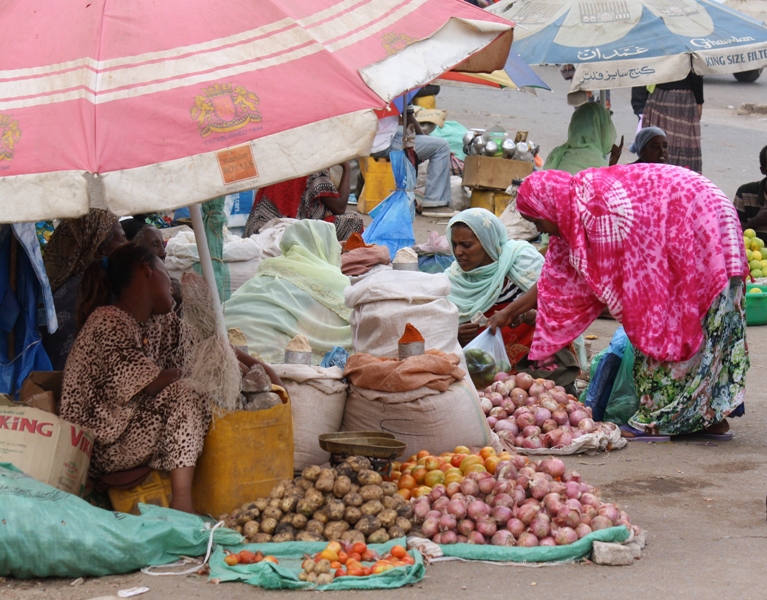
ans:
(349, 562)
(416, 476)
(246, 557)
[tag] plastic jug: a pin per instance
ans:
(246, 454)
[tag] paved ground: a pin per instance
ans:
(703, 504)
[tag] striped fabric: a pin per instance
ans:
(174, 102)
(676, 113)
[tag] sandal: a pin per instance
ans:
(640, 436)
(722, 437)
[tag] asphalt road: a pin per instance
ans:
(730, 142)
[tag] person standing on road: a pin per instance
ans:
(751, 201)
(676, 108)
(614, 241)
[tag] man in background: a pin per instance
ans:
(750, 201)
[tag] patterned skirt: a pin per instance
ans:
(676, 113)
(265, 211)
(685, 397)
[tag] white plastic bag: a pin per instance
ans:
(486, 357)
(604, 439)
(517, 227)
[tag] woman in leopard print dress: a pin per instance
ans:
(123, 376)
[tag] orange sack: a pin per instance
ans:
(435, 370)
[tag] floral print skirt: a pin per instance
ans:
(685, 397)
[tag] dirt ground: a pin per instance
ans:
(702, 503)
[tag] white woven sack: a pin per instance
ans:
(517, 227)
(424, 419)
(385, 302)
(318, 397)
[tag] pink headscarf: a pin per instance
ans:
(654, 243)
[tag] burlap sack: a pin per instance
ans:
(318, 396)
(423, 418)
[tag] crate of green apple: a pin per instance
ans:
(536, 416)
(526, 503)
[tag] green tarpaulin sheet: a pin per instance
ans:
(291, 554)
(46, 532)
(580, 549)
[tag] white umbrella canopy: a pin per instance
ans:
(630, 43)
(154, 104)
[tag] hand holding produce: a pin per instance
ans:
(483, 367)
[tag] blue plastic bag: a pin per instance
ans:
(392, 224)
(434, 263)
(597, 395)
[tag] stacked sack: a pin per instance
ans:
(426, 401)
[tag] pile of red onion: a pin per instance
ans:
(527, 503)
(535, 413)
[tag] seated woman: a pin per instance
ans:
(497, 277)
(74, 245)
(139, 231)
(123, 378)
(312, 197)
(590, 138)
(300, 292)
(614, 235)
(651, 144)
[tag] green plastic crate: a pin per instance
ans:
(756, 306)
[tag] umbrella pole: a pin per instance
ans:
(202, 247)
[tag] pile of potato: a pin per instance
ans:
(350, 502)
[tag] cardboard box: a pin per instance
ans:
(492, 172)
(46, 447)
(42, 389)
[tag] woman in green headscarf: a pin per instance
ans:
(300, 292)
(590, 138)
(497, 277)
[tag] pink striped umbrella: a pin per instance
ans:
(149, 105)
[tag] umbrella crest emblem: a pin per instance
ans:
(223, 108)
(394, 42)
(10, 134)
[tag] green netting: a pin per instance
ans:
(623, 402)
(291, 554)
(575, 551)
(214, 219)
